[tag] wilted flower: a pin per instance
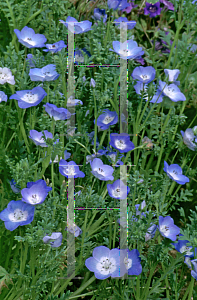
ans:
(70, 169)
(3, 97)
(144, 74)
(147, 142)
(35, 193)
(79, 27)
(37, 137)
(118, 190)
(101, 171)
(46, 73)
(55, 240)
(121, 142)
(167, 228)
(190, 138)
(174, 172)
(99, 14)
(57, 113)
(29, 38)
(6, 76)
(29, 98)
(56, 47)
(17, 214)
(152, 9)
(127, 50)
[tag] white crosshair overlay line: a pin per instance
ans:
(123, 129)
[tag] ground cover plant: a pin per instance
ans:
(98, 149)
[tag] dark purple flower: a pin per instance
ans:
(152, 9)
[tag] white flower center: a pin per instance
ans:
(70, 170)
(186, 249)
(128, 263)
(108, 119)
(30, 97)
(116, 192)
(113, 157)
(124, 52)
(165, 229)
(120, 144)
(18, 215)
(34, 199)
(3, 75)
(79, 58)
(144, 76)
(46, 73)
(29, 41)
(106, 265)
(100, 171)
(169, 91)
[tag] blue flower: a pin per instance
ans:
(29, 98)
(117, 4)
(3, 97)
(29, 38)
(79, 27)
(55, 240)
(70, 169)
(118, 190)
(172, 75)
(130, 24)
(174, 172)
(194, 272)
(100, 152)
(30, 61)
(31, 183)
(190, 138)
(104, 263)
(57, 113)
(127, 50)
(182, 247)
(36, 193)
(46, 73)
(121, 142)
(101, 171)
(151, 232)
(98, 14)
(37, 137)
(167, 228)
(73, 102)
(130, 262)
(112, 158)
(144, 74)
(17, 214)
(14, 187)
(107, 119)
(92, 82)
(72, 227)
(172, 91)
(56, 47)
(139, 87)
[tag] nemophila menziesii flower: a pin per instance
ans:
(167, 228)
(130, 262)
(174, 172)
(73, 102)
(117, 4)
(30, 61)
(15, 188)
(57, 113)
(29, 98)
(182, 247)
(70, 169)
(6, 76)
(167, 5)
(112, 158)
(55, 240)
(37, 137)
(3, 97)
(121, 142)
(130, 24)
(139, 87)
(194, 272)
(66, 156)
(101, 171)
(79, 27)
(47, 188)
(107, 119)
(104, 263)
(36, 194)
(171, 91)
(127, 50)
(152, 9)
(17, 214)
(92, 82)
(79, 55)
(74, 229)
(56, 47)
(46, 73)
(172, 75)
(151, 232)
(29, 38)
(130, 7)
(144, 74)
(90, 158)
(118, 190)
(99, 14)
(190, 138)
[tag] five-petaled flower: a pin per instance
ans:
(174, 172)
(167, 228)
(56, 47)
(121, 142)
(37, 137)
(70, 169)
(46, 73)
(127, 50)
(6, 76)
(17, 214)
(130, 24)
(29, 38)
(77, 27)
(130, 262)
(36, 192)
(57, 113)
(29, 98)
(54, 240)
(172, 91)
(144, 74)
(118, 190)
(152, 9)
(101, 171)
(190, 138)
(172, 75)
(107, 119)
